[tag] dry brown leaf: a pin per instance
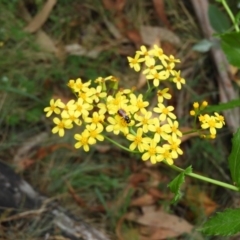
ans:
(79, 50)
(137, 178)
(157, 194)
(152, 34)
(143, 200)
(103, 148)
(160, 9)
(161, 220)
(156, 233)
(135, 37)
(201, 201)
(37, 22)
(46, 43)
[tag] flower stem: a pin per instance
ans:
(230, 15)
(206, 179)
(119, 145)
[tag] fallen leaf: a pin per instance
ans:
(157, 233)
(137, 178)
(37, 22)
(135, 36)
(151, 34)
(157, 194)
(45, 42)
(143, 200)
(200, 200)
(164, 222)
(79, 50)
(160, 9)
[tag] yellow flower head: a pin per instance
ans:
(100, 107)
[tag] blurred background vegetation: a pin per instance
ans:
(88, 39)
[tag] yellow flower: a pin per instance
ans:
(192, 113)
(116, 103)
(117, 125)
(151, 67)
(53, 108)
(164, 111)
(87, 96)
(137, 103)
(138, 141)
(83, 140)
(169, 68)
(195, 105)
(166, 154)
(99, 80)
(82, 107)
(72, 115)
(159, 131)
(161, 94)
(97, 94)
(94, 133)
(203, 118)
(97, 119)
(135, 62)
(204, 104)
(173, 125)
(212, 124)
(102, 108)
(143, 51)
(171, 58)
(152, 152)
(112, 79)
(60, 125)
(71, 83)
(178, 79)
(212, 136)
(157, 77)
(219, 118)
(174, 147)
(80, 86)
(70, 106)
(158, 52)
(144, 120)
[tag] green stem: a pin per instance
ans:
(206, 179)
(228, 10)
(119, 145)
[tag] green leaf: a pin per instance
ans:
(234, 158)
(203, 46)
(230, 43)
(237, 17)
(226, 223)
(177, 182)
(218, 20)
(223, 106)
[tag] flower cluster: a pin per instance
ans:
(100, 107)
(158, 66)
(211, 122)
